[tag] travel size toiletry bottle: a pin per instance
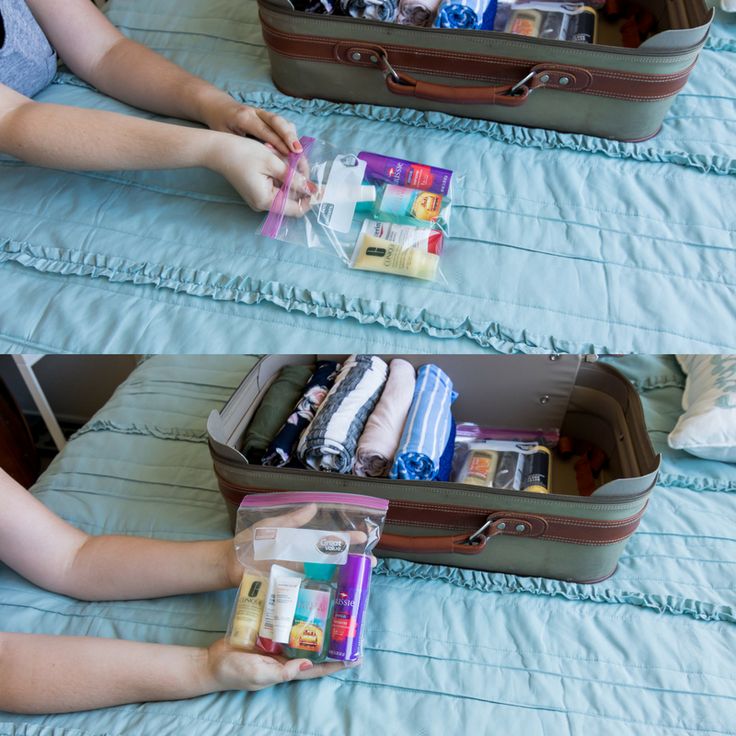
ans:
(406, 173)
(310, 630)
(353, 584)
(403, 205)
(248, 611)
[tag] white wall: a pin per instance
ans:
(76, 385)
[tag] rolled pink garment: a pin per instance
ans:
(382, 433)
(418, 12)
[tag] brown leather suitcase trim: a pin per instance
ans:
(468, 520)
(489, 69)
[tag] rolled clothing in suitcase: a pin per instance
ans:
(560, 534)
(596, 89)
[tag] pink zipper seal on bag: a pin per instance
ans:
(287, 498)
(275, 219)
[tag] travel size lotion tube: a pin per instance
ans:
(266, 640)
(284, 607)
(376, 254)
(248, 611)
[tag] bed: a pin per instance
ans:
(560, 242)
(650, 651)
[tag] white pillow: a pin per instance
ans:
(728, 5)
(707, 429)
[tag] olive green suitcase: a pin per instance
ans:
(560, 535)
(597, 89)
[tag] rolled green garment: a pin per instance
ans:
(273, 410)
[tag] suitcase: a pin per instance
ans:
(560, 535)
(596, 89)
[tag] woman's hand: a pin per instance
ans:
(227, 115)
(297, 518)
(257, 173)
(233, 669)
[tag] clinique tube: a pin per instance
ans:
(248, 611)
(384, 256)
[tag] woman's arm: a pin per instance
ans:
(97, 52)
(53, 554)
(65, 137)
(56, 674)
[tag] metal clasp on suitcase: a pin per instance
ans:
(522, 83)
(503, 523)
(388, 70)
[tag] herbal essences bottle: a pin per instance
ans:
(408, 206)
(310, 630)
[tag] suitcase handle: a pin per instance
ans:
(457, 543)
(399, 83)
(509, 95)
(517, 525)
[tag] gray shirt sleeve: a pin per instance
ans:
(27, 61)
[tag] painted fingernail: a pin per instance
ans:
(313, 188)
(304, 666)
(297, 147)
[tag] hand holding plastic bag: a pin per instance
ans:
(258, 175)
(307, 565)
(376, 213)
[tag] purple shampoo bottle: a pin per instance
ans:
(346, 634)
(405, 173)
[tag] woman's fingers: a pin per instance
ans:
(285, 130)
(262, 131)
(302, 165)
(299, 517)
(277, 169)
(304, 669)
(318, 670)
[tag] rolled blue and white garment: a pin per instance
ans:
(428, 426)
(470, 15)
(330, 441)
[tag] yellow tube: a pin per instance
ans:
(248, 612)
(376, 254)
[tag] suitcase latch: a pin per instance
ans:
(515, 90)
(515, 526)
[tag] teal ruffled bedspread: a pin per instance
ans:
(649, 651)
(561, 242)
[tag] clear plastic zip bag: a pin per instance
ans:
(307, 569)
(555, 21)
(508, 459)
(375, 212)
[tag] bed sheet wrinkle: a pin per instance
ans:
(159, 276)
(86, 300)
